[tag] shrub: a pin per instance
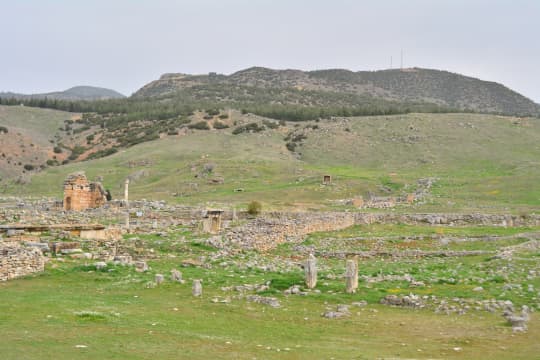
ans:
(3, 129)
(251, 127)
(254, 208)
(201, 125)
(291, 146)
(220, 125)
(223, 116)
(28, 167)
(271, 124)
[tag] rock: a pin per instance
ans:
(123, 259)
(478, 289)
(270, 301)
(191, 262)
(176, 276)
(196, 289)
(360, 303)
(518, 322)
(70, 251)
(100, 265)
(159, 278)
(141, 266)
(410, 300)
(341, 311)
(44, 247)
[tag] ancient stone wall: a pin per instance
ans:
(271, 229)
(448, 219)
(16, 261)
(267, 232)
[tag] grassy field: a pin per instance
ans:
(481, 163)
(73, 311)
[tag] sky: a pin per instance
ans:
(50, 45)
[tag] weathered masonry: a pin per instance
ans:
(17, 261)
(80, 194)
(212, 221)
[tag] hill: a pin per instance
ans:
(480, 162)
(414, 85)
(89, 93)
(29, 139)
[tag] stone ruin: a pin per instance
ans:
(327, 180)
(81, 194)
(17, 261)
(212, 221)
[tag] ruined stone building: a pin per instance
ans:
(80, 194)
(212, 221)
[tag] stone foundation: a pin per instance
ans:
(17, 261)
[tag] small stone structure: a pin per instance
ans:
(81, 194)
(16, 261)
(212, 221)
(327, 180)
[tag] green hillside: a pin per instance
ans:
(481, 162)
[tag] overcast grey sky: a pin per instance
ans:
(51, 45)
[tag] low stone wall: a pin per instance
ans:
(16, 261)
(271, 229)
(448, 219)
(267, 232)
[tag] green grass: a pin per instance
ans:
(114, 315)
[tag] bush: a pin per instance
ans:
(271, 124)
(220, 125)
(254, 208)
(291, 146)
(28, 167)
(251, 127)
(201, 125)
(57, 150)
(3, 129)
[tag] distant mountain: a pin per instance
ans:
(406, 85)
(75, 93)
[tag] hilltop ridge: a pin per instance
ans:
(75, 93)
(439, 87)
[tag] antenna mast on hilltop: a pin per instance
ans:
(401, 67)
(390, 61)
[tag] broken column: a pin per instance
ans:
(196, 289)
(310, 270)
(351, 276)
(126, 201)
